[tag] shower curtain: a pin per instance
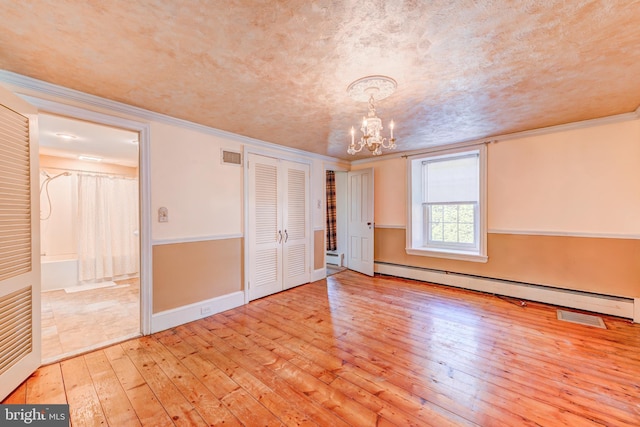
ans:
(107, 227)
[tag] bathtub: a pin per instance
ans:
(59, 271)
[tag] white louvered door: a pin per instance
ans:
(19, 243)
(296, 229)
(265, 225)
(278, 225)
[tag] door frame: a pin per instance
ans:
(24, 363)
(144, 184)
(339, 169)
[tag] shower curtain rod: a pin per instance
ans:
(90, 172)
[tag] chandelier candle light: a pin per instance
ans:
(370, 89)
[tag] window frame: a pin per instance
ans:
(417, 242)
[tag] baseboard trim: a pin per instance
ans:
(604, 304)
(188, 313)
(319, 274)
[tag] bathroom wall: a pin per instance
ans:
(58, 232)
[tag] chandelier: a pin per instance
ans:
(370, 89)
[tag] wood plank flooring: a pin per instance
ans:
(358, 351)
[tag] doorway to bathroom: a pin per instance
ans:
(89, 235)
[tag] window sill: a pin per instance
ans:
(449, 254)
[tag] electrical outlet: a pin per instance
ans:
(205, 311)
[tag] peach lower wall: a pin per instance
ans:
(187, 273)
(318, 249)
(545, 192)
(599, 265)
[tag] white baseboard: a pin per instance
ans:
(615, 306)
(318, 274)
(188, 313)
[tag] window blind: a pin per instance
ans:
(452, 179)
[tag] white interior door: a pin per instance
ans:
(360, 221)
(19, 242)
(265, 227)
(296, 240)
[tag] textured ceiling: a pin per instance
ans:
(278, 70)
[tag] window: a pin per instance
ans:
(447, 205)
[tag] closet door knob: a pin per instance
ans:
(280, 234)
(286, 236)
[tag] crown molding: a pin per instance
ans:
(21, 83)
(429, 149)
(600, 121)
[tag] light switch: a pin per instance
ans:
(163, 214)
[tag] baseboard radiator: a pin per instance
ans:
(335, 258)
(604, 304)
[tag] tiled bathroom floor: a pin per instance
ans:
(76, 322)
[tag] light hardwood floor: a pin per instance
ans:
(358, 351)
(75, 322)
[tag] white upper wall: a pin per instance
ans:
(203, 196)
(390, 186)
(581, 181)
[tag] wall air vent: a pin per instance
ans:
(231, 157)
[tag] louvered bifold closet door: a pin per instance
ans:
(19, 277)
(265, 220)
(15, 329)
(295, 223)
(15, 195)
